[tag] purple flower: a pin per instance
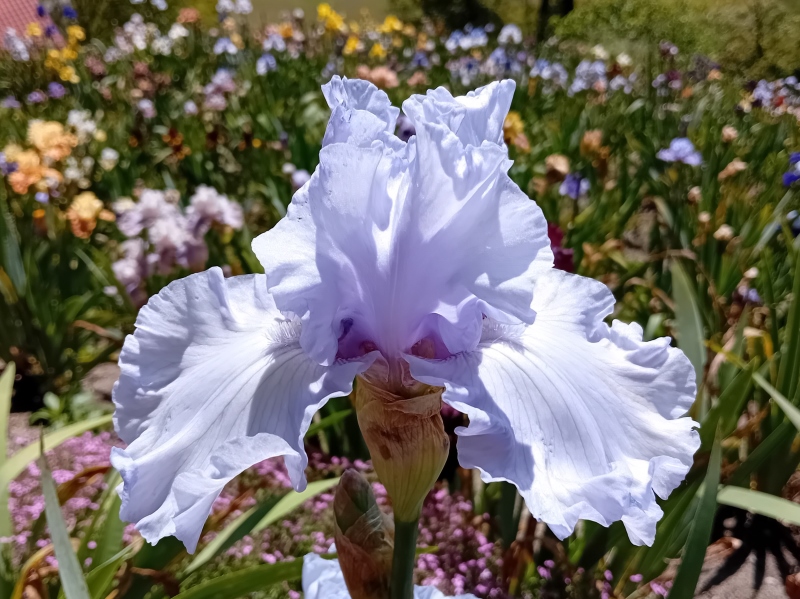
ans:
(37, 97)
(50, 30)
(56, 90)
(637, 578)
(574, 186)
(190, 108)
(6, 167)
(41, 11)
(794, 158)
(681, 150)
(42, 197)
(69, 13)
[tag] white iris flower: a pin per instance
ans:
(422, 263)
(323, 579)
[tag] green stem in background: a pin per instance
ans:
(404, 559)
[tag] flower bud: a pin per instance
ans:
(406, 440)
(364, 538)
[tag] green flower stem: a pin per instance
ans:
(405, 556)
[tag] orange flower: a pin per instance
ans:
(383, 77)
(51, 140)
(514, 132)
(29, 168)
(83, 213)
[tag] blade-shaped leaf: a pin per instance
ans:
(248, 580)
(12, 467)
(6, 390)
(292, 501)
(232, 533)
(100, 578)
(106, 528)
(700, 531)
(792, 413)
(691, 335)
(760, 503)
(328, 421)
(72, 582)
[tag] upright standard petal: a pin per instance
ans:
(323, 579)
(583, 418)
(360, 112)
(474, 118)
(213, 381)
(391, 244)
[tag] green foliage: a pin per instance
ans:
(755, 38)
(616, 23)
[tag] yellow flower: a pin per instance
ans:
(83, 213)
(12, 152)
(237, 40)
(67, 73)
(377, 51)
(351, 46)
(100, 135)
(69, 53)
(76, 32)
(51, 140)
(514, 132)
(33, 30)
(333, 20)
(354, 27)
(390, 24)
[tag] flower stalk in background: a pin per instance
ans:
(421, 270)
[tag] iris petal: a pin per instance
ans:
(407, 241)
(360, 112)
(213, 381)
(583, 418)
(323, 579)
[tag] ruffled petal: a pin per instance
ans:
(475, 118)
(213, 381)
(360, 112)
(583, 418)
(388, 245)
(323, 579)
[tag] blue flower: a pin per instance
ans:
(266, 63)
(790, 178)
(794, 158)
(574, 186)
(69, 13)
(42, 197)
(681, 150)
(224, 44)
(41, 10)
(50, 30)
(420, 59)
